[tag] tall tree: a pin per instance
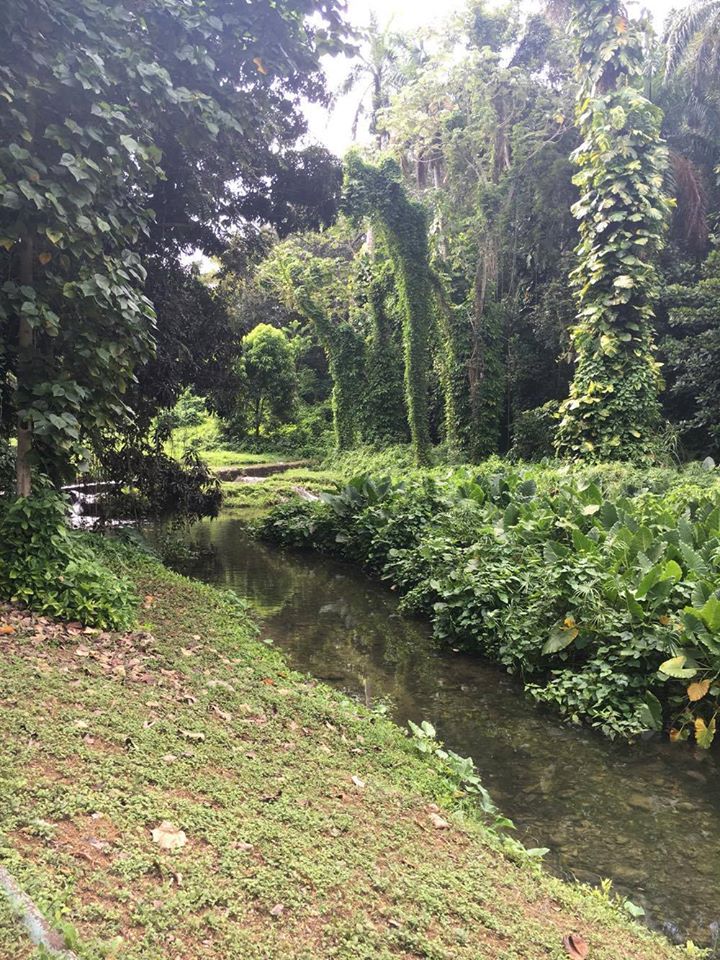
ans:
(692, 39)
(375, 192)
(312, 275)
(377, 73)
(482, 136)
(268, 376)
(613, 409)
(125, 130)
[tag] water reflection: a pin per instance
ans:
(648, 817)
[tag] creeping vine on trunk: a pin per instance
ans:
(376, 192)
(613, 410)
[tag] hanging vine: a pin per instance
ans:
(375, 192)
(385, 419)
(312, 276)
(613, 409)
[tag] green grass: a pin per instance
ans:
(269, 491)
(307, 817)
(206, 439)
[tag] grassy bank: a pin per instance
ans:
(599, 586)
(260, 493)
(311, 827)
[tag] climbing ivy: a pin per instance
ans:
(385, 418)
(311, 274)
(613, 409)
(376, 192)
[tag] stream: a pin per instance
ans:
(647, 817)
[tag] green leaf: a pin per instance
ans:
(633, 909)
(671, 571)
(651, 713)
(710, 614)
(680, 668)
(561, 636)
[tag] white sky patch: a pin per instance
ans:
(333, 128)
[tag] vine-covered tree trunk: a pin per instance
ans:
(344, 349)
(385, 417)
(416, 295)
(485, 365)
(25, 341)
(613, 409)
(377, 193)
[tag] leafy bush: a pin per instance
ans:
(54, 571)
(534, 432)
(600, 590)
(7, 467)
(309, 435)
(158, 485)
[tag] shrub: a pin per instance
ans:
(601, 590)
(534, 432)
(158, 486)
(51, 570)
(7, 467)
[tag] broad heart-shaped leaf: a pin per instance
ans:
(650, 712)
(696, 691)
(710, 614)
(704, 733)
(659, 574)
(561, 637)
(681, 668)
(634, 607)
(648, 582)
(671, 571)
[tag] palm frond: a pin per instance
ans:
(683, 27)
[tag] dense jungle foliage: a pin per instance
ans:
(523, 260)
(520, 261)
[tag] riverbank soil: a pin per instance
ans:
(176, 793)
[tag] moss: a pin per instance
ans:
(191, 719)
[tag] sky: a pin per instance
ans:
(333, 129)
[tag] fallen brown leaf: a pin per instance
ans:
(192, 735)
(575, 946)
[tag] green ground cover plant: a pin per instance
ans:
(599, 586)
(56, 572)
(223, 806)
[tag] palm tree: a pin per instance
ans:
(692, 38)
(379, 72)
(691, 99)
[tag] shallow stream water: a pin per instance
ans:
(647, 816)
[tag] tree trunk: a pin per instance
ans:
(23, 478)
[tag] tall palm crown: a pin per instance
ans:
(378, 73)
(692, 39)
